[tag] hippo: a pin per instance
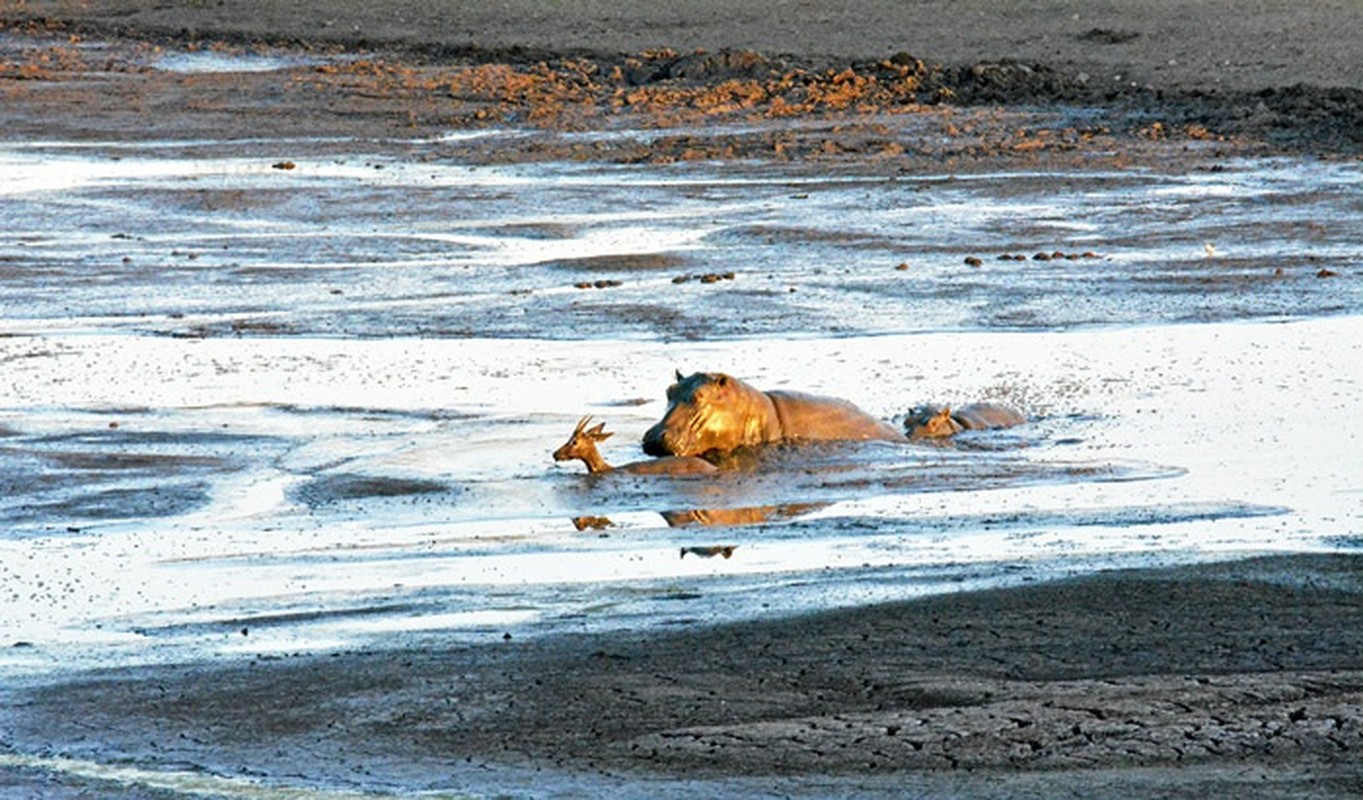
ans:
(713, 413)
(582, 445)
(933, 422)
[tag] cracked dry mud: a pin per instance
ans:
(1142, 720)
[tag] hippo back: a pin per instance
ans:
(806, 417)
(986, 416)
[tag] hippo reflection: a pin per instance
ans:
(750, 515)
(710, 551)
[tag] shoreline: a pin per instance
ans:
(1116, 681)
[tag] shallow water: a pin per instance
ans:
(284, 396)
(183, 240)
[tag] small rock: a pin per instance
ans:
(1326, 273)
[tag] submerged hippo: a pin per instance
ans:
(710, 412)
(582, 445)
(933, 422)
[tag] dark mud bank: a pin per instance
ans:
(1275, 107)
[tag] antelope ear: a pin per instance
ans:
(599, 435)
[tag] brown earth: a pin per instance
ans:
(1073, 78)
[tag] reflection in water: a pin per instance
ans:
(750, 515)
(739, 516)
(726, 550)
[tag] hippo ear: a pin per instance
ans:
(721, 379)
(680, 377)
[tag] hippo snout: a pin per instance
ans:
(655, 441)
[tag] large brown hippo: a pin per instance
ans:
(582, 445)
(710, 412)
(933, 422)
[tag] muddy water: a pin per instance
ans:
(283, 396)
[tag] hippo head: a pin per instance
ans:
(931, 422)
(710, 412)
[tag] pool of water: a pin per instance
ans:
(285, 396)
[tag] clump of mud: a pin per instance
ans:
(328, 490)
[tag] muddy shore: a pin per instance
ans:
(1237, 679)
(1244, 678)
(1047, 85)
